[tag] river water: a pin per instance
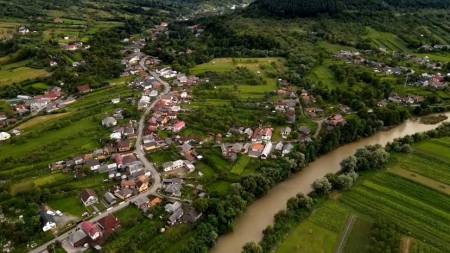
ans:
(249, 226)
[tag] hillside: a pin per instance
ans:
(305, 8)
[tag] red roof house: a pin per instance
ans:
(109, 223)
(91, 230)
(83, 88)
(178, 126)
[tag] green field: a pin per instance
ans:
(414, 207)
(240, 165)
(70, 205)
(19, 74)
(40, 86)
(220, 64)
(309, 238)
(387, 40)
(325, 75)
(152, 240)
(359, 237)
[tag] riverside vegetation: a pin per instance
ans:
(391, 201)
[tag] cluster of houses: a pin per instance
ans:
(75, 46)
(158, 30)
(177, 214)
(260, 144)
(23, 105)
(434, 48)
(132, 55)
(357, 58)
(426, 80)
(436, 81)
(400, 99)
(88, 233)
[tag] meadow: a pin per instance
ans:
(170, 241)
(19, 74)
(320, 232)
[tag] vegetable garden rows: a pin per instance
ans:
(418, 210)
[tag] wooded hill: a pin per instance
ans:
(307, 8)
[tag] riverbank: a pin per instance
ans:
(432, 119)
(259, 214)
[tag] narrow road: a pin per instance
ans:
(139, 151)
(345, 233)
(301, 107)
(319, 127)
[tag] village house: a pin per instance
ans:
(266, 151)
(83, 89)
(142, 183)
(142, 203)
(91, 230)
(168, 166)
(287, 149)
(124, 145)
(47, 220)
(124, 193)
(255, 150)
(335, 120)
(175, 216)
(92, 163)
(110, 198)
(266, 134)
(78, 238)
(88, 197)
(178, 126)
(285, 131)
(192, 216)
(108, 223)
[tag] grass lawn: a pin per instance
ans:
(40, 119)
(359, 236)
(309, 238)
(207, 171)
(434, 149)
(121, 79)
(41, 86)
(334, 48)
(276, 136)
(16, 64)
(19, 74)
(240, 165)
(331, 215)
(220, 186)
(324, 74)
(70, 205)
(220, 64)
(51, 136)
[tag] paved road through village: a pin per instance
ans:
(141, 154)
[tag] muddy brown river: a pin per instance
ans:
(249, 226)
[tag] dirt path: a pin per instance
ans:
(319, 127)
(406, 244)
(348, 226)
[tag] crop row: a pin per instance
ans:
(408, 201)
(413, 189)
(420, 226)
(420, 247)
(331, 215)
(433, 172)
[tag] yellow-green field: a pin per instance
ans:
(19, 74)
(40, 119)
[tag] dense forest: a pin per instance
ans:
(305, 8)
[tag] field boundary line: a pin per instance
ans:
(343, 239)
